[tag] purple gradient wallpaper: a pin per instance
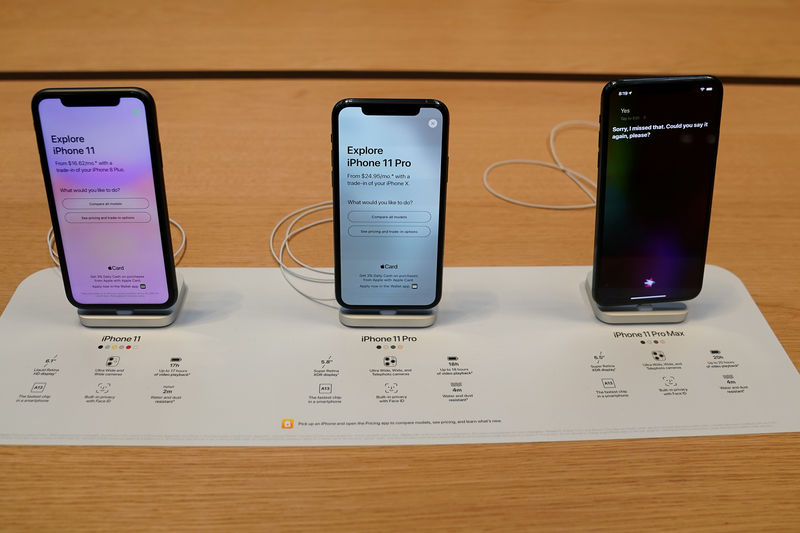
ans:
(102, 180)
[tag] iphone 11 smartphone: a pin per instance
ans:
(101, 160)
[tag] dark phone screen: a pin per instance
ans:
(658, 146)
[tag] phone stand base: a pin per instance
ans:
(135, 318)
(382, 318)
(657, 313)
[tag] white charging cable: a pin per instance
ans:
(318, 275)
(580, 180)
(51, 238)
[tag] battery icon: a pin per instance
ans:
(175, 360)
(452, 358)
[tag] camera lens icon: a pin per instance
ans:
(432, 123)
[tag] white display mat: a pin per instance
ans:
(515, 356)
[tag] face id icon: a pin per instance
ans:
(287, 423)
(38, 387)
(390, 360)
(391, 387)
(112, 361)
(103, 388)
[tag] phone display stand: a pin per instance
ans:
(135, 318)
(387, 318)
(652, 313)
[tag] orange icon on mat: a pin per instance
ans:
(287, 423)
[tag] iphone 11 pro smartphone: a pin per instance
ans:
(389, 181)
(656, 164)
(101, 160)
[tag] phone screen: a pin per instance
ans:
(658, 148)
(390, 160)
(104, 203)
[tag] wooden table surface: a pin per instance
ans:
(241, 153)
(723, 37)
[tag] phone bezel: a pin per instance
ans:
(86, 97)
(667, 84)
(386, 106)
